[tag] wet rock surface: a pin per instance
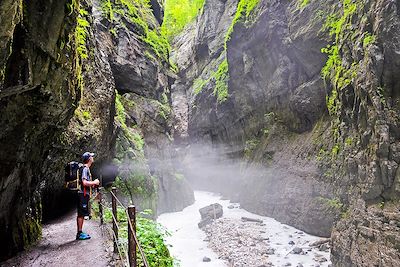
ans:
(276, 96)
(39, 90)
(210, 213)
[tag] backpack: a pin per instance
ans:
(73, 172)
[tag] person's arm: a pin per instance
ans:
(85, 179)
(90, 183)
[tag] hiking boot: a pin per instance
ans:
(82, 236)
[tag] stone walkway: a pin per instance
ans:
(58, 246)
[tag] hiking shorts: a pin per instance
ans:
(83, 205)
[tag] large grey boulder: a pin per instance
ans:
(210, 213)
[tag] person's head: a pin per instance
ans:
(87, 158)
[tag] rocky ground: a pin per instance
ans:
(58, 246)
(244, 243)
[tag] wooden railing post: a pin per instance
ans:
(114, 211)
(131, 239)
(101, 206)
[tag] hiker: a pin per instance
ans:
(84, 194)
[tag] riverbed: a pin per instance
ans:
(189, 245)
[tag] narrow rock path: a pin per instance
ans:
(58, 246)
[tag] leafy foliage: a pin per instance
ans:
(178, 13)
(304, 3)
(368, 39)
(250, 146)
(81, 32)
(221, 78)
(243, 12)
(221, 81)
(199, 84)
(150, 235)
(339, 26)
(134, 179)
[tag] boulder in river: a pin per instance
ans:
(206, 259)
(297, 250)
(270, 251)
(210, 213)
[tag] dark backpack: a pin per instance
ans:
(73, 173)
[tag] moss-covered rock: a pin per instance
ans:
(39, 88)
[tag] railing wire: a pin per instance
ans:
(145, 263)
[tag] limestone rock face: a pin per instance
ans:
(91, 128)
(38, 91)
(312, 153)
(57, 101)
(368, 236)
(368, 114)
(276, 96)
(144, 79)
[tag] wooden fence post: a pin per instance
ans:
(101, 206)
(131, 239)
(114, 211)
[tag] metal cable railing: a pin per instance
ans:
(133, 241)
(115, 237)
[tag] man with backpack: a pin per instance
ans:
(84, 194)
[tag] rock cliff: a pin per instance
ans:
(275, 98)
(304, 95)
(63, 67)
(290, 107)
(40, 86)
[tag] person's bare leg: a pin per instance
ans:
(79, 222)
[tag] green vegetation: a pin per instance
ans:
(121, 116)
(134, 179)
(339, 25)
(138, 13)
(136, 183)
(178, 13)
(221, 81)
(150, 235)
(332, 203)
(130, 133)
(335, 151)
(338, 73)
(221, 78)
(368, 39)
(81, 33)
(163, 106)
(349, 141)
(82, 115)
(304, 3)
(199, 84)
(243, 14)
(250, 147)
(179, 176)
(382, 99)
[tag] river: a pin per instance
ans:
(189, 245)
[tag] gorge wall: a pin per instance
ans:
(289, 107)
(74, 79)
(301, 99)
